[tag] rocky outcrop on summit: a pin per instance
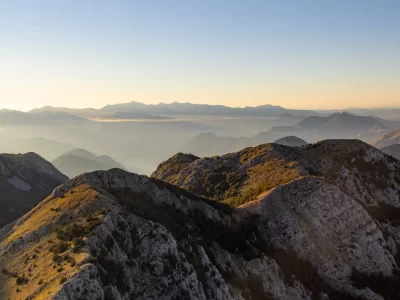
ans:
(291, 141)
(173, 165)
(359, 169)
(25, 179)
(330, 232)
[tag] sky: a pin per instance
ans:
(317, 54)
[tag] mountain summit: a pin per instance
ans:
(320, 223)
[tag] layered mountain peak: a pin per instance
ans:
(326, 230)
(27, 163)
(237, 178)
(78, 161)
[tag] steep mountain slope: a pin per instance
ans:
(116, 235)
(291, 141)
(393, 150)
(79, 161)
(387, 139)
(25, 179)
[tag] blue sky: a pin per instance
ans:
(300, 54)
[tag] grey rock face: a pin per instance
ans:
(25, 179)
(332, 236)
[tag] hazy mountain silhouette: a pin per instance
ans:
(177, 108)
(13, 117)
(134, 116)
(387, 139)
(79, 161)
(46, 148)
(338, 125)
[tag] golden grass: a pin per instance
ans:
(36, 263)
(50, 209)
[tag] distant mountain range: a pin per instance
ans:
(203, 109)
(268, 222)
(338, 121)
(37, 117)
(177, 108)
(182, 109)
(312, 129)
(133, 116)
(387, 139)
(79, 161)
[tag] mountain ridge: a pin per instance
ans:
(120, 235)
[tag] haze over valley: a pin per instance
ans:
(141, 136)
(200, 150)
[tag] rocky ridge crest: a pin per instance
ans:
(329, 233)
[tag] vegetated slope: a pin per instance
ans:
(291, 141)
(25, 179)
(393, 150)
(116, 235)
(79, 161)
(388, 139)
(240, 177)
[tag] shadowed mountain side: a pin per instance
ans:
(328, 232)
(25, 179)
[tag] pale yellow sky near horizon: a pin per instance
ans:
(313, 55)
(33, 94)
